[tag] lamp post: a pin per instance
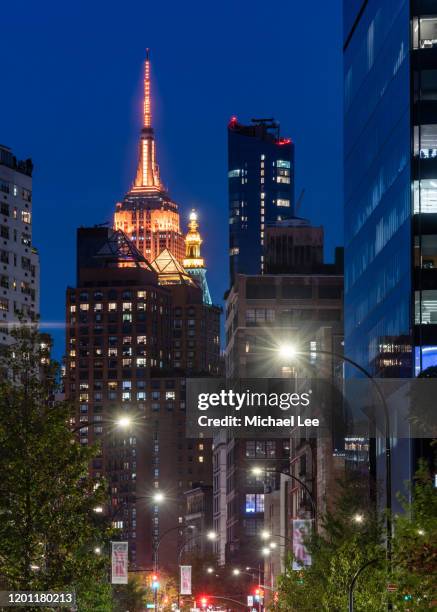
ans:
(353, 581)
(237, 572)
(256, 470)
(289, 351)
(211, 535)
(265, 535)
(157, 545)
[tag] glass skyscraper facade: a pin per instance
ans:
(390, 169)
(261, 190)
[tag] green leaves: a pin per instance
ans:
(47, 529)
(342, 546)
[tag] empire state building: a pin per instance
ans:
(147, 214)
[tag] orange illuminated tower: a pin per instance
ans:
(147, 214)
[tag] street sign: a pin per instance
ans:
(250, 600)
(392, 588)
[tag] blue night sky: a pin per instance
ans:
(71, 99)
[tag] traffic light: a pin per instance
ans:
(257, 594)
(155, 581)
(204, 602)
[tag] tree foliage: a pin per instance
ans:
(132, 596)
(343, 546)
(415, 545)
(340, 548)
(47, 529)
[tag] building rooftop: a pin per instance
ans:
(9, 160)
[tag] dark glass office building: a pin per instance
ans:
(261, 189)
(390, 169)
(390, 63)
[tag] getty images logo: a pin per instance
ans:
(248, 399)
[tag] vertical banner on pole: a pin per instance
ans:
(301, 530)
(119, 561)
(185, 579)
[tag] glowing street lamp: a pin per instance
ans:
(265, 535)
(236, 572)
(210, 570)
(158, 497)
(272, 545)
(211, 535)
(358, 518)
(124, 422)
(287, 351)
(257, 471)
(266, 551)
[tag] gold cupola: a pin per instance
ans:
(193, 242)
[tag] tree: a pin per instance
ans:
(47, 529)
(341, 547)
(423, 416)
(415, 545)
(132, 596)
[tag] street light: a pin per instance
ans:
(358, 518)
(354, 580)
(123, 422)
(266, 535)
(256, 471)
(210, 535)
(287, 351)
(210, 570)
(266, 551)
(158, 497)
(273, 545)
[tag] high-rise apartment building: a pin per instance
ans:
(147, 214)
(390, 170)
(19, 261)
(132, 337)
(261, 190)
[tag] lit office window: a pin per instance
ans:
(425, 141)
(283, 202)
(254, 503)
(425, 307)
(425, 196)
(424, 32)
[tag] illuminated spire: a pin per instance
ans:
(147, 107)
(194, 264)
(147, 177)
